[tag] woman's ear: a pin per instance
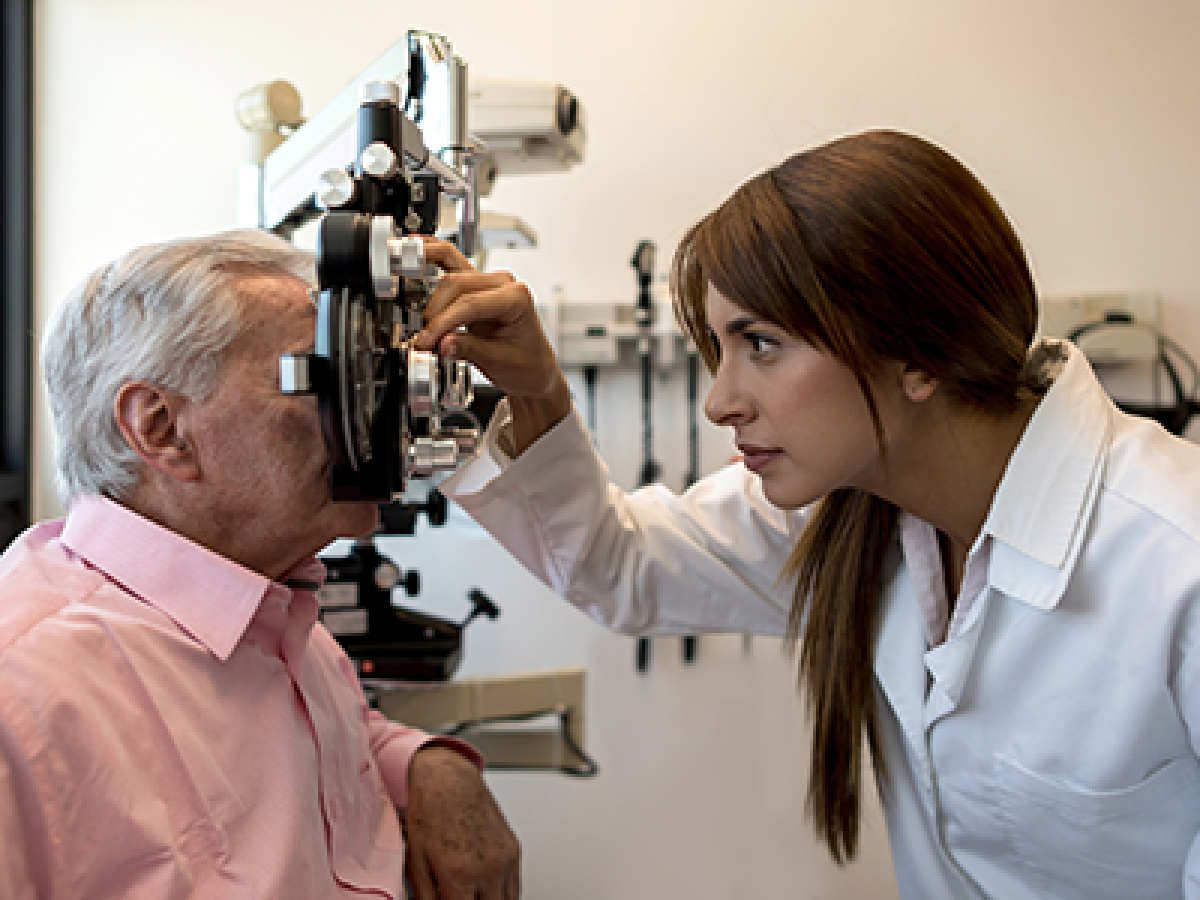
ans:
(918, 386)
(148, 418)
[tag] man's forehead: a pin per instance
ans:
(276, 294)
(274, 284)
(277, 312)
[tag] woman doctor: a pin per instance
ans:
(992, 573)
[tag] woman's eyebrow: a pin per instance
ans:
(734, 327)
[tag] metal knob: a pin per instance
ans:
(429, 455)
(466, 441)
(334, 189)
(408, 256)
(386, 575)
(378, 160)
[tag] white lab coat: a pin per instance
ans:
(1049, 747)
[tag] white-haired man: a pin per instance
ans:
(173, 722)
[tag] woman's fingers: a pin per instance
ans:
(457, 301)
(489, 320)
(446, 255)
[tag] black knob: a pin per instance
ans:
(411, 582)
(436, 508)
(481, 605)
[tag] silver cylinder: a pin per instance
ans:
(456, 113)
(382, 281)
(457, 390)
(423, 387)
(429, 455)
(381, 91)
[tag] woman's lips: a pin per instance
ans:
(755, 458)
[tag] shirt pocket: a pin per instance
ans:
(1080, 843)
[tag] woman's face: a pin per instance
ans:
(799, 417)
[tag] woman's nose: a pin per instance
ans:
(725, 404)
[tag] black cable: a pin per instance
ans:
(1174, 417)
(643, 264)
(588, 768)
(691, 643)
(651, 470)
(1187, 359)
(590, 374)
(693, 400)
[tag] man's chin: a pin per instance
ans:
(361, 520)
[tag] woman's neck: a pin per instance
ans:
(947, 469)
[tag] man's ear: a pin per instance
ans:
(148, 417)
(918, 386)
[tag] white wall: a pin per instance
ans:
(1083, 117)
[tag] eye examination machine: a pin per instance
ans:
(408, 149)
(388, 412)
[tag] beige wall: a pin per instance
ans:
(1083, 116)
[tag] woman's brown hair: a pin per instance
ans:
(875, 247)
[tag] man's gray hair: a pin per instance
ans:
(164, 314)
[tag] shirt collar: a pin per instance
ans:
(209, 596)
(1042, 506)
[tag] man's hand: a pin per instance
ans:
(459, 845)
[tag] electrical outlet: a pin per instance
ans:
(1063, 316)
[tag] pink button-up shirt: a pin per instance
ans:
(173, 725)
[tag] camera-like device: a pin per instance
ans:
(388, 411)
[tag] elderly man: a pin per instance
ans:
(173, 720)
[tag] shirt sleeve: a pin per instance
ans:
(25, 863)
(648, 562)
(393, 744)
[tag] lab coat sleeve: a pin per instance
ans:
(648, 562)
(1186, 688)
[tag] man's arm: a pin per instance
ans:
(458, 842)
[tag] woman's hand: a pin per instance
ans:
(489, 320)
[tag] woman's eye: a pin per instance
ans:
(714, 343)
(760, 343)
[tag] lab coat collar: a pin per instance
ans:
(900, 641)
(1045, 499)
